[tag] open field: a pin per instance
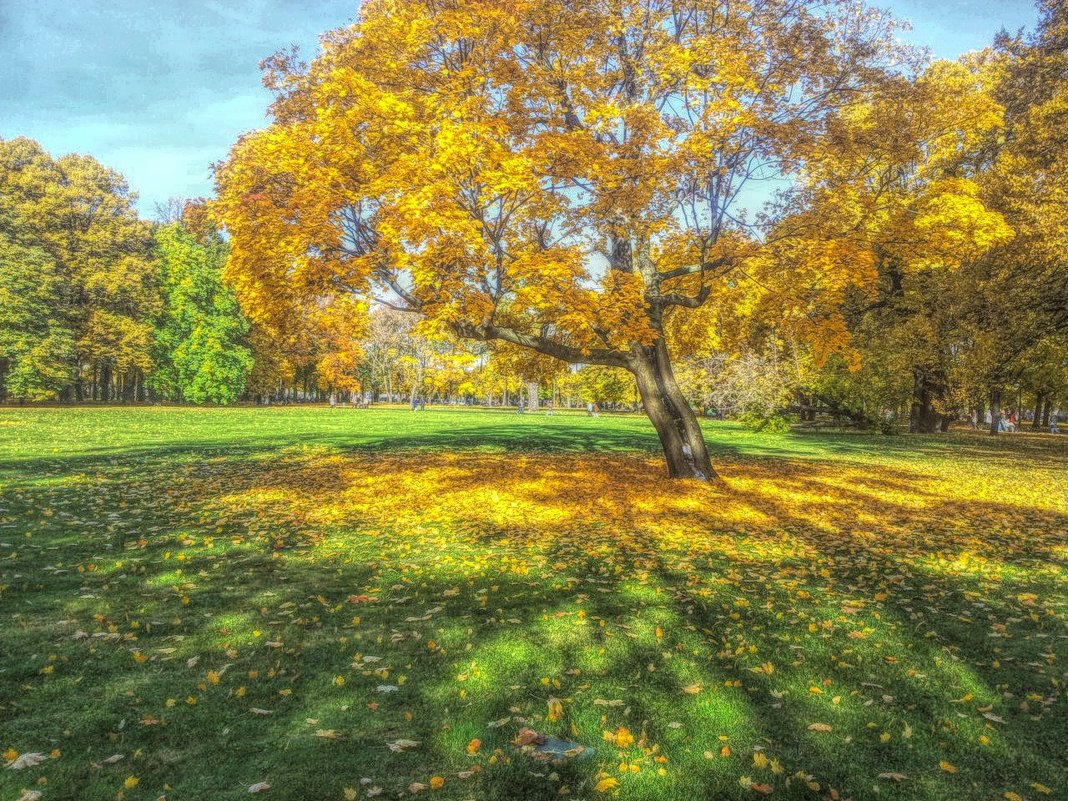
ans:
(228, 597)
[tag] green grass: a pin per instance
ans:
(165, 571)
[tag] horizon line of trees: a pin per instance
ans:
(97, 305)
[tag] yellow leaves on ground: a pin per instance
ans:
(691, 620)
(606, 785)
(621, 737)
(556, 709)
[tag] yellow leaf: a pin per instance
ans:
(947, 767)
(604, 785)
(556, 708)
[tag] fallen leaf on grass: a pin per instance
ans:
(398, 746)
(621, 737)
(604, 785)
(529, 737)
(259, 787)
(820, 727)
(28, 760)
(556, 708)
(947, 767)
(892, 776)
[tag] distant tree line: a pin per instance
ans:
(97, 304)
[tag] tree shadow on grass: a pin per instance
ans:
(904, 575)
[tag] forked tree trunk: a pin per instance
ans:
(671, 415)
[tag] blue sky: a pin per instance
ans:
(160, 90)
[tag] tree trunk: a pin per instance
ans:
(923, 419)
(1040, 402)
(532, 396)
(670, 413)
(105, 382)
(995, 410)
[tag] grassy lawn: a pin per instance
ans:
(196, 601)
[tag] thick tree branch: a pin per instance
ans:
(542, 344)
(688, 301)
(694, 269)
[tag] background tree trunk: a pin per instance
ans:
(995, 410)
(671, 415)
(923, 419)
(1040, 403)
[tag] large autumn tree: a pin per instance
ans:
(561, 175)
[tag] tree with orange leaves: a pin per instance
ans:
(559, 175)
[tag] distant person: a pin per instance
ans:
(519, 407)
(589, 409)
(1053, 429)
(549, 409)
(973, 420)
